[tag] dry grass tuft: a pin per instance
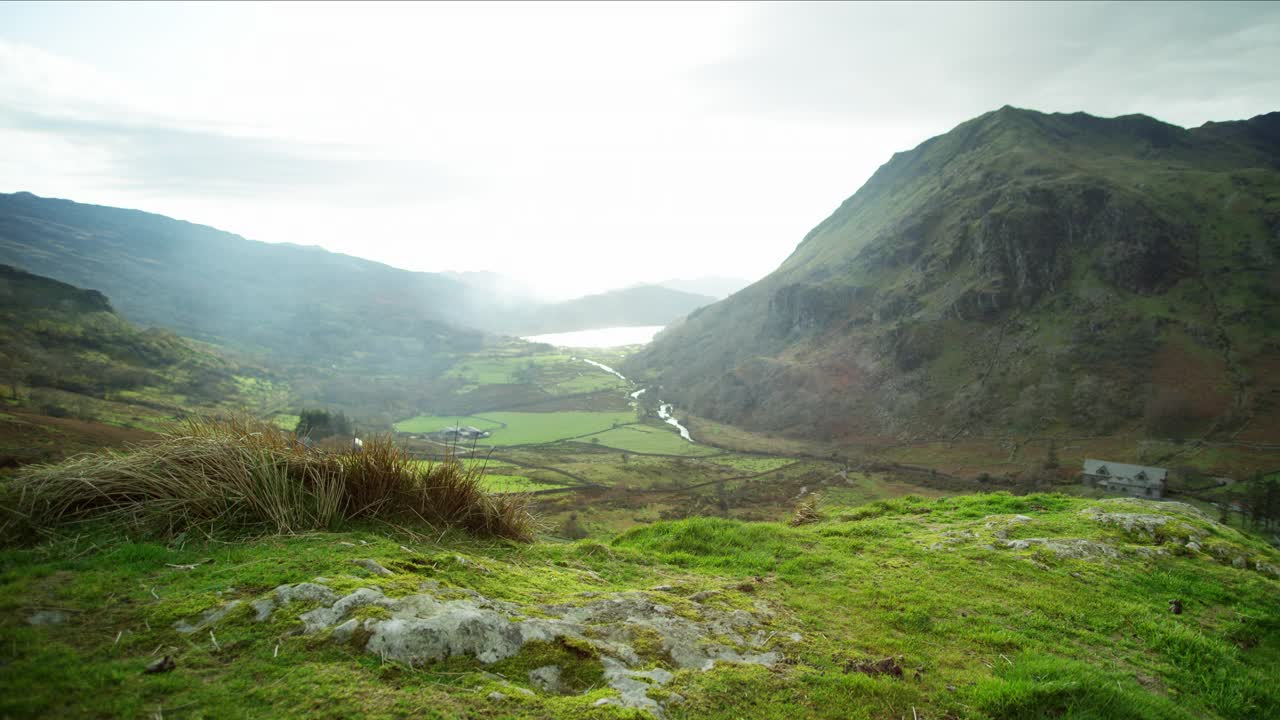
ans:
(245, 475)
(807, 510)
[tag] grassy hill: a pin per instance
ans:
(1024, 273)
(69, 365)
(987, 606)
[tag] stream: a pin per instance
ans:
(664, 409)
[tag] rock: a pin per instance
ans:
(373, 567)
(663, 588)
(632, 689)
(1239, 562)
(47, 617)
(323, 617)
(451, 622)
(286, 594)
(547, 679)
(1069, 548)
(496, 696)
(1266, 567)
(262, 608)
(703, 595)
(164, 664)
(346, 630)
(208, 618)
(1193, 546)
(1131, 523)
(1019, 519)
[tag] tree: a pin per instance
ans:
(1051, 458)
(320, 424)
(571, 529)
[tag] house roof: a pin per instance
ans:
(1124, 470)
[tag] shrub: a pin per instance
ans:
(245, 475)
(807, 511)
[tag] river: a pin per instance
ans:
(664, 409)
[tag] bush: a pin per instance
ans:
(244, 475)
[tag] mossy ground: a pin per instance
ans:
(982, 632)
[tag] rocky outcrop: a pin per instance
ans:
(637, 641)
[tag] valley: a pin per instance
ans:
(234, 472)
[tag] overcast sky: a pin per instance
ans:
(574, 146)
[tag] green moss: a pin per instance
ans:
(1012, 639)
(371, 612)
(580, 666)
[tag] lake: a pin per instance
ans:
(600, 337)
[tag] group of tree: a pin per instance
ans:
(1262, 502)
(320, 424)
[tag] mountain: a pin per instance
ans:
(495, 290)
(294, 303)
(715, 286)
(640, 305)
(1025, 272)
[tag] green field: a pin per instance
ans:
(515, 484)
(649, 439)
(526, 428)
(752, 464)
(432, 423)
(591, 379)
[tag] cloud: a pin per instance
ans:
(886, 64)
(139, 143)
(149, 156)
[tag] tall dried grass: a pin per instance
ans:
(244, 475)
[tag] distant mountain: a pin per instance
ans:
(1025, 273)
(293, 303)
(641, 305)
(492, 290)
(714, 286)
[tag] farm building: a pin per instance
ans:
(466, 432)
(1135, 480)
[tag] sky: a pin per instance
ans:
(574, 147)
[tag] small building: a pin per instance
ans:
(1136, 480)
(466, 432)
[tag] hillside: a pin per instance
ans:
(294, 303)
(983, 607)
(1025, 272)
(70, 366)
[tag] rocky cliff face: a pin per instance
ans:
(1024, 271)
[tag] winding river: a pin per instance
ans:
(664, 409)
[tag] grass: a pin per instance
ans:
(753, 464)
(643, 438)
(498, 483)
(981, 633)
(432, 423)
(240, 475)
(527, 428)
